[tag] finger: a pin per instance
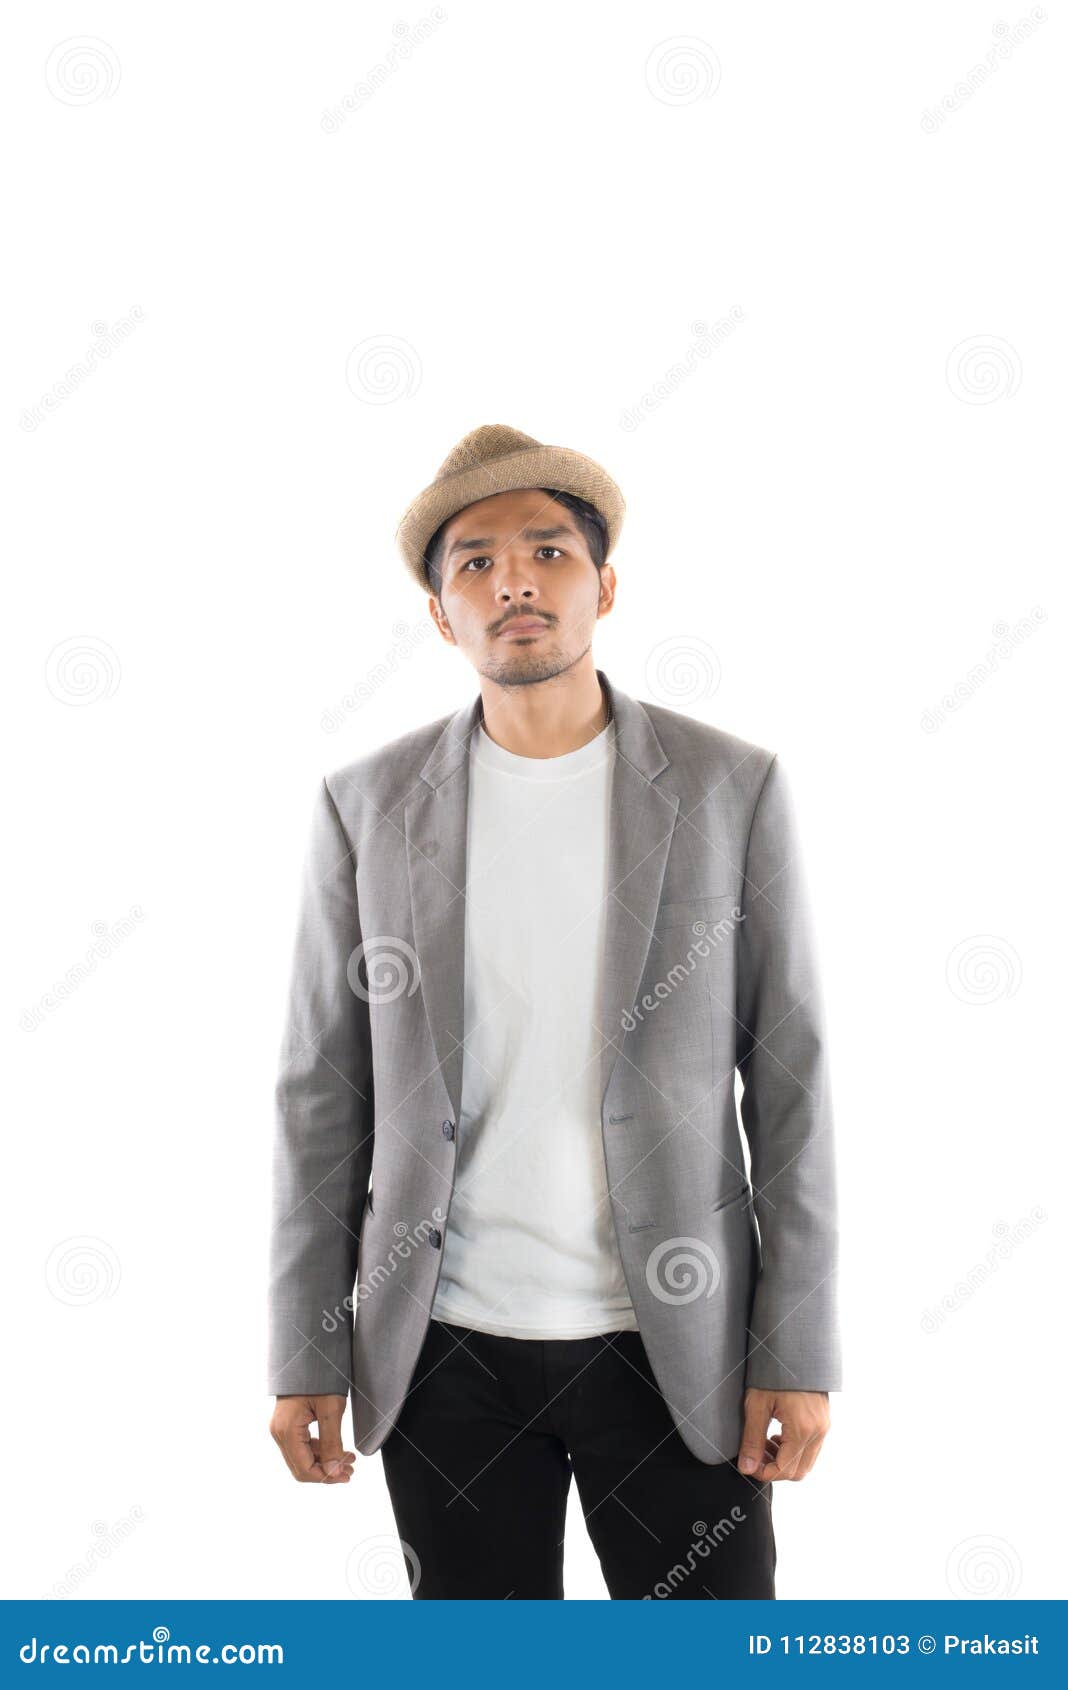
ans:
(809, 1455)
(754, 1432)
(327, 1447)
(344, 1469)
(790, 1461)
(782, 1467)
(768, 1457)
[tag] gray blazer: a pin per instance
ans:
(709, 968)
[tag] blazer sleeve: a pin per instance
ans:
(324, 1121)
(786, 1111)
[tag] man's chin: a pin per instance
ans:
(522, 668)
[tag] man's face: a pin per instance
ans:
(512, 559)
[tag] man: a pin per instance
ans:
(538, 937)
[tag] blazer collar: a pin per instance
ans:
(635, 736)
(642, 820)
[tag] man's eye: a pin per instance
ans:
(472, 560)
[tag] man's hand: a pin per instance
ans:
(314, 1461)
(805, 1417)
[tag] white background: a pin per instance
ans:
(828, 515)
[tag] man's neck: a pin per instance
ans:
(541, 721)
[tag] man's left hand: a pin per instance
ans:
(805, 1417)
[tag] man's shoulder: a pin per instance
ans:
(710, 753)
(388, 770)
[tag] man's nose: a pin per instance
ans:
(515, 578)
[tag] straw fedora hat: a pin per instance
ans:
(498, 459)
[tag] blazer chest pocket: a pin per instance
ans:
(683, 912)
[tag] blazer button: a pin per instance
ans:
(448, 1129)
(434, 1238)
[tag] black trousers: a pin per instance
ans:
(479, 1464)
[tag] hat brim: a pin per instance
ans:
(534, 466)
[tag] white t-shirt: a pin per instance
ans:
(530, 1250)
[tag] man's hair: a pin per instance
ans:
(592, 527)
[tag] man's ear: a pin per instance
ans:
(440, 619)
(607, 585)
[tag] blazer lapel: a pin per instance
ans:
(642, 820)
(435, 827)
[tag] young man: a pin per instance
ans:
(538, 937)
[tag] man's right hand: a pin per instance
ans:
(315, 1461)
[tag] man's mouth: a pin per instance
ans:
(522, 625)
